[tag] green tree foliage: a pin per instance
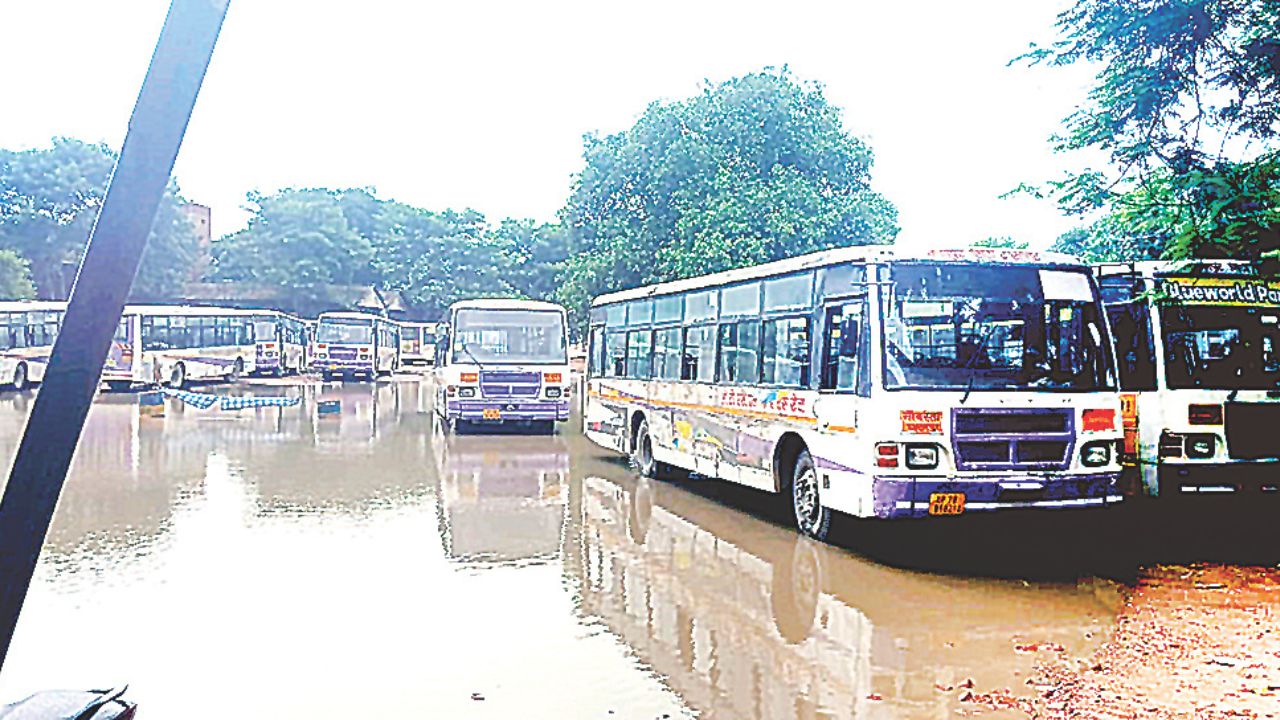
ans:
(753, 169)
(305, 239)
(1101, 242)
(1187, 106)
(15, 277)
(1005, 242)
(49, 198)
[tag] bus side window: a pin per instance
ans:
(595, 357)
(844, 354)
(698, 358)
(615, 345)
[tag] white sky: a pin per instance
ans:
(483, 104)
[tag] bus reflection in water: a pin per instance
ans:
(744, 621)
(501, 499)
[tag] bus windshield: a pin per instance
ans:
(355, 332)
(985, 327)
(1221, 347)
(509, 336)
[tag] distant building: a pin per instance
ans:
(201, 221)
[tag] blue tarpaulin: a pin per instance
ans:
(204, 401)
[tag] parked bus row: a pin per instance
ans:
(175, 345)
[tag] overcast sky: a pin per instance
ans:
(484, 104)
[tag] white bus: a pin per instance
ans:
(1198, 345)
(871, 381)
(281, 341)
(417, 343)
(355, 344)
(173, 345)
(27, 331)
(504, 361)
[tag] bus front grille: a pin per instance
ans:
(509, 384)
(1012, 439)
(1251, 430)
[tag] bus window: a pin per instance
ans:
(616, 347)
(666, 354)
(786, 352)
(843, 350)
(698, 357)
(596, 363)
(639, 354)
(740, 352)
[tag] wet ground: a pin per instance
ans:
(282, 562)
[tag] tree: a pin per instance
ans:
(753, 169)
(49, 198)
(1100, 242)
(538, 256)
(1187, 106)
(296, 239)
(15, 277)
(1002, 242)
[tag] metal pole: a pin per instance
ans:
(111, 259)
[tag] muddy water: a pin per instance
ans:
(280, 562)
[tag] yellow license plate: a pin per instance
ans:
(492, 414)
(946, 503)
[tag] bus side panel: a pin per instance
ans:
(605, 419)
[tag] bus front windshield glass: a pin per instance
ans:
(952, 326)
(339, 332)
(1215, 347)
(509, 336)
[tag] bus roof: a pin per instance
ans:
(184, 310)
(346, 315)
(1152, 268)
(38, 305)
(862, 253)
(503, 304)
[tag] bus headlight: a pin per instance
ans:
(1096, 454)
(1200, 445)
(466, 392)
(553, 392)
(922, 456)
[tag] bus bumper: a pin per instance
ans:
(1194, 481)
(498, 411)
(908, 497)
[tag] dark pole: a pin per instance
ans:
(111, 259)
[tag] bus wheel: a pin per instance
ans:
(642, 451)
(237, 370)
(812, 518)
(20, 377)
(178, 376)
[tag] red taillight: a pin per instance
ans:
(1204, 414)
(550, 378)
(270, 345)
(887, 455)
(469, 377)
(1099, 420)
(321, 346)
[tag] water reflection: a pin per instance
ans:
(501, 498)
(747, 620)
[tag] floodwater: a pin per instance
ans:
(280, 563)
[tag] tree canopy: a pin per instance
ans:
(49, 198)
(753, 169)
(1186, 105)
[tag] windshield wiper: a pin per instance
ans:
(973, 357)
(463, 347)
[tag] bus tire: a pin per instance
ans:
(178, 376)
(20, 377)
(812, 518)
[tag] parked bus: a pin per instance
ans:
(281, 341)
(354, 344)
(417, 343)
(504, 361)
(173, 345)
(1198, 345)
(27, 332)
(871, 381)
